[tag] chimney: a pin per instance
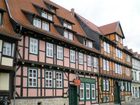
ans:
(72, 11)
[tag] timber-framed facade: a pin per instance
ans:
(60, 58)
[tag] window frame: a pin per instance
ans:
(33, 50)
(88, 89)
(47, 15)
(82, 88)
(49, 79)
(60, 53)
(81, 58)
(59, 79)
(32, 77)
(72, 56)
(7, 47)
(68, 35)
(49, 49)
(89, 60)
(93, 88)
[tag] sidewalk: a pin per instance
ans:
(133, 102)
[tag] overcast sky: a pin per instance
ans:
(102, 12)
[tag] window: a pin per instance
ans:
(126, 86)
(45, 26)
(122, 86)
(89, 44)
(93, 91)
(7, 49)
(37, 22)
(67, 25)
(105, 65)
(49, 48)
(60, 52)
(47, 15)
(87, 91)
(68, 35)
(32, 77)
(127, 58)
(106, 47)
(33, 46)
(0, 18)
(58, 80)
(72, 56)
(82, 91)
(80, 58)
(48, 78)
(41, 24)
(105, 85)
(118, 69)
(118, 53)
(89, 60)
(95, 65)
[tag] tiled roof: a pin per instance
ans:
(6, 27)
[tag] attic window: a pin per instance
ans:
(47, 15)
(68, 35)
(0, 18)
(89, 43)
(67, 25)
(41, 24)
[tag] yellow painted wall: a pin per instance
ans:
(4, 81)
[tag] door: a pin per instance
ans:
(73, 95)
(117, 93)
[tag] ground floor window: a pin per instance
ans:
(88, 89)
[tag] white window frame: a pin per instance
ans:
(89, 60)
(67, 25)
(37, 22)
(33, 46)
(106, 47)
(82, 94)
(59, 80)
(95, 62)
(47, 15)
(68, 35)
(49, 49)
(7, 49)
(81, 58)
(93, 91)
(87, 89)
(48, 78)
(72, 56)
(60, 52)
(45, 26)
(106, 65)
(32, 77)
(89, 44)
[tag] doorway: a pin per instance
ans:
(73, 99)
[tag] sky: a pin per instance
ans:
(102, 12)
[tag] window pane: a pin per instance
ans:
(33, 46)
(48, 78)
(37, 22)
(44, 14)
(49, 49)
(82, 91)
(80, 58)
(72, 55)
(59, 52)
(58, 80)
(87, 91)
(93, 90)
(66, 34)
(45, 26)
(7, 49)
(32, 79)
(50, 17)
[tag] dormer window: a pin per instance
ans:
(47, 15)
(41, 24)
(67, 25)
(89, 44)
(0, 18)
(68, 35)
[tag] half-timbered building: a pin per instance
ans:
(61, 58)
(8, 40)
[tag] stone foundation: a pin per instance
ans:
(49, 101)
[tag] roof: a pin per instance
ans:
(21, 7)
(90, 24)
(114, 27)
(6, 28)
